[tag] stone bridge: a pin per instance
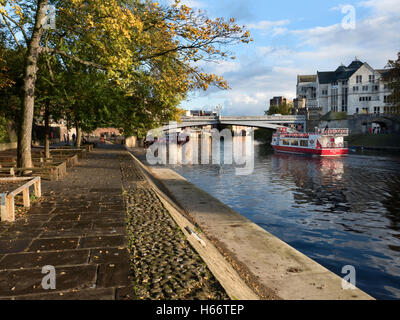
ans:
(266, 122)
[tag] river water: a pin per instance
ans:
(338, 211)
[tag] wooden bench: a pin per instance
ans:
(7, 172)
(88, 147)
(71, 160)
(69, 152)
(47, 171)
(8, 199)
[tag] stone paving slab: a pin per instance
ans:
(79, 228)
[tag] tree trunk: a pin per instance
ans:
(28, 100)
(78, 137)
(47, 131)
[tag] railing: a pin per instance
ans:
(329, 132)
(250, 118)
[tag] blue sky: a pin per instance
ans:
(290, 38)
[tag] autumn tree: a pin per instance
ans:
(284, 109)
(4, 80)
(148, 50)
(10, 94)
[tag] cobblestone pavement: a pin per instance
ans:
(79, 228)
(164, 264)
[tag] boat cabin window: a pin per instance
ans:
(285, 142)
(295, 142)
(304, 143)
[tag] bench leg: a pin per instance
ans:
(27, 200)
(10, 205)
(3, 207)
(38, 189)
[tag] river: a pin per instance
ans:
(338, 211)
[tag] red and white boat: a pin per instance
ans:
(323, 142)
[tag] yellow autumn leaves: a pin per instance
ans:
(144, 41)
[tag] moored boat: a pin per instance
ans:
(322, 142)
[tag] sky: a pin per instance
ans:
(291, 38)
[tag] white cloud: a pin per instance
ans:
(382, 6)
(271, 70)
(266, 26)
(194, 4)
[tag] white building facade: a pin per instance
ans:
(355, 89)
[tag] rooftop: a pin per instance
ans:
(341, 73)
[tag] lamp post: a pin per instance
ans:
(218, 110)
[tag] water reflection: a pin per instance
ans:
(338, 211)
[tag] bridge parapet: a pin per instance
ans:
(265, 118)
(252, 118)
(189, 119)
(268, 122)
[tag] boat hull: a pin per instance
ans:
(327, 152)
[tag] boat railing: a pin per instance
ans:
(335, 132)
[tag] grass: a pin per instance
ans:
(375, 140)
(335, 116)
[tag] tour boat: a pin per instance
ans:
(323, 142)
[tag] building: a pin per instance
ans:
(200, 113)
(355, 89)
(279, 101)
(299, 107)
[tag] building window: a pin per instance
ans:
(365, 88)
(313, 93)
(359, 79)
(335, 100)
(376, 88)
(386, 109)
(357, 110)
(345, 99)
(377, 110)
(345, 82)
(372, 79)
(365, 110)
(365, 98)
(355, 89)
(385, 99)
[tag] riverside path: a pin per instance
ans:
(80, 228)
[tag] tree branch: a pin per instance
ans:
(76, 59)
(18, 25)
(11, 30)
